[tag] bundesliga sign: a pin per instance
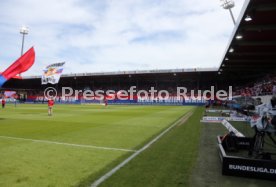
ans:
(52, 73)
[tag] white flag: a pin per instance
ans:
(51, 74)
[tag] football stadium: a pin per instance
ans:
(205, 126)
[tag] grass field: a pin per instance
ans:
(77, 144)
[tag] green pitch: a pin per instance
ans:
(76, 144)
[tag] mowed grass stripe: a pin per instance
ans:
(26, 164)
(90, 129)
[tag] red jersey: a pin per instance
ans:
(3, 101)
(51, 102)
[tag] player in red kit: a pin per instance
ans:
(51, 103)
(3, 103)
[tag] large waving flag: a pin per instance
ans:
(51, 74)
(19, 66)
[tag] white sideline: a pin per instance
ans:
(115, 169)
(68, 144)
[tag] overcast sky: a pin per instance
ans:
(116, 35)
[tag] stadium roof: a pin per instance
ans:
(252, 46)
(164, 71)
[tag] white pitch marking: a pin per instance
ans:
(115, 169)
(68, 144)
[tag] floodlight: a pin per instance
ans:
(248, 18)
